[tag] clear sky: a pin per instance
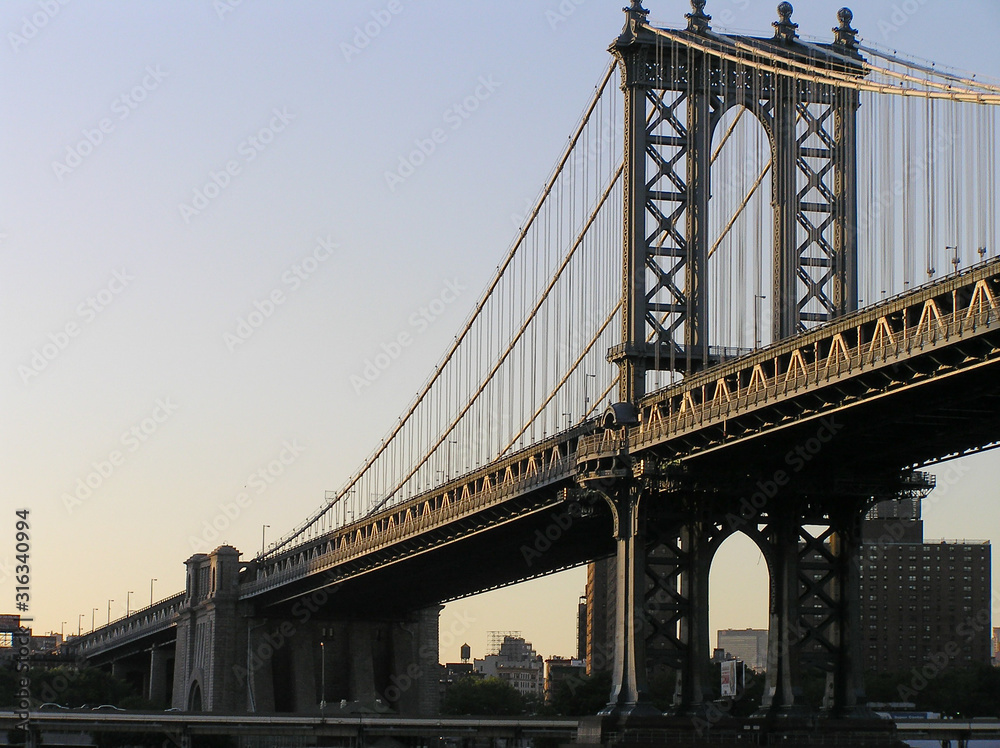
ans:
(168, 167)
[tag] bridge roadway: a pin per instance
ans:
(180, 727)
(905, 383)
(332, 730)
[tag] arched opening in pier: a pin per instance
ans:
(739, 590)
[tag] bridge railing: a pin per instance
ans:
(879, 336)
(143, 622)
(384, 530)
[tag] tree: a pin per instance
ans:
(486, 697)
(580, 696)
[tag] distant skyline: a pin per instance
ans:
(210, 223)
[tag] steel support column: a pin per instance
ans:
(629, 691)
(846, 691)
(784, 201)
(695, 690)
(782, 687)
(699, 169)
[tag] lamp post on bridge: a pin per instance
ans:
(586, 399)
(109, 611)
(447, 474)
(263, 530)
(756, 319)
(79, 624)
(154, 579)
(128, 599)
(93, 613)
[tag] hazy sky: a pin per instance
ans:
(169, 169)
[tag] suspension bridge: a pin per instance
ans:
(758, 293)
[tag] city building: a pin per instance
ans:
(517, 663)
(748, 645)
(921, 598)
(561, 670)
(600, 636)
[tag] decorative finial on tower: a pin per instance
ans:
(698, 20)
(635, 16)
(844, 34)
(637, 13)
(784, 28)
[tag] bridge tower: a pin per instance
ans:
(677, 88)
(677, 91)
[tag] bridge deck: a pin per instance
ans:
(935, 347)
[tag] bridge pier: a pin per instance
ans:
(230, 659)
(210, 638)
(629, 690)
(158, 687)
(782, 686)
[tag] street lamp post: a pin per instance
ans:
(756, 319)
(93, 613)
(128, 599)
(109, 611)
(322, 676)
(154, 579)
(263, 530)
(79, 625)
(62, 630)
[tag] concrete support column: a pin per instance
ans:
(158, 657)
(362, 666)
(306, 666)
(413, 688)
(259, 667)
(428, 642)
